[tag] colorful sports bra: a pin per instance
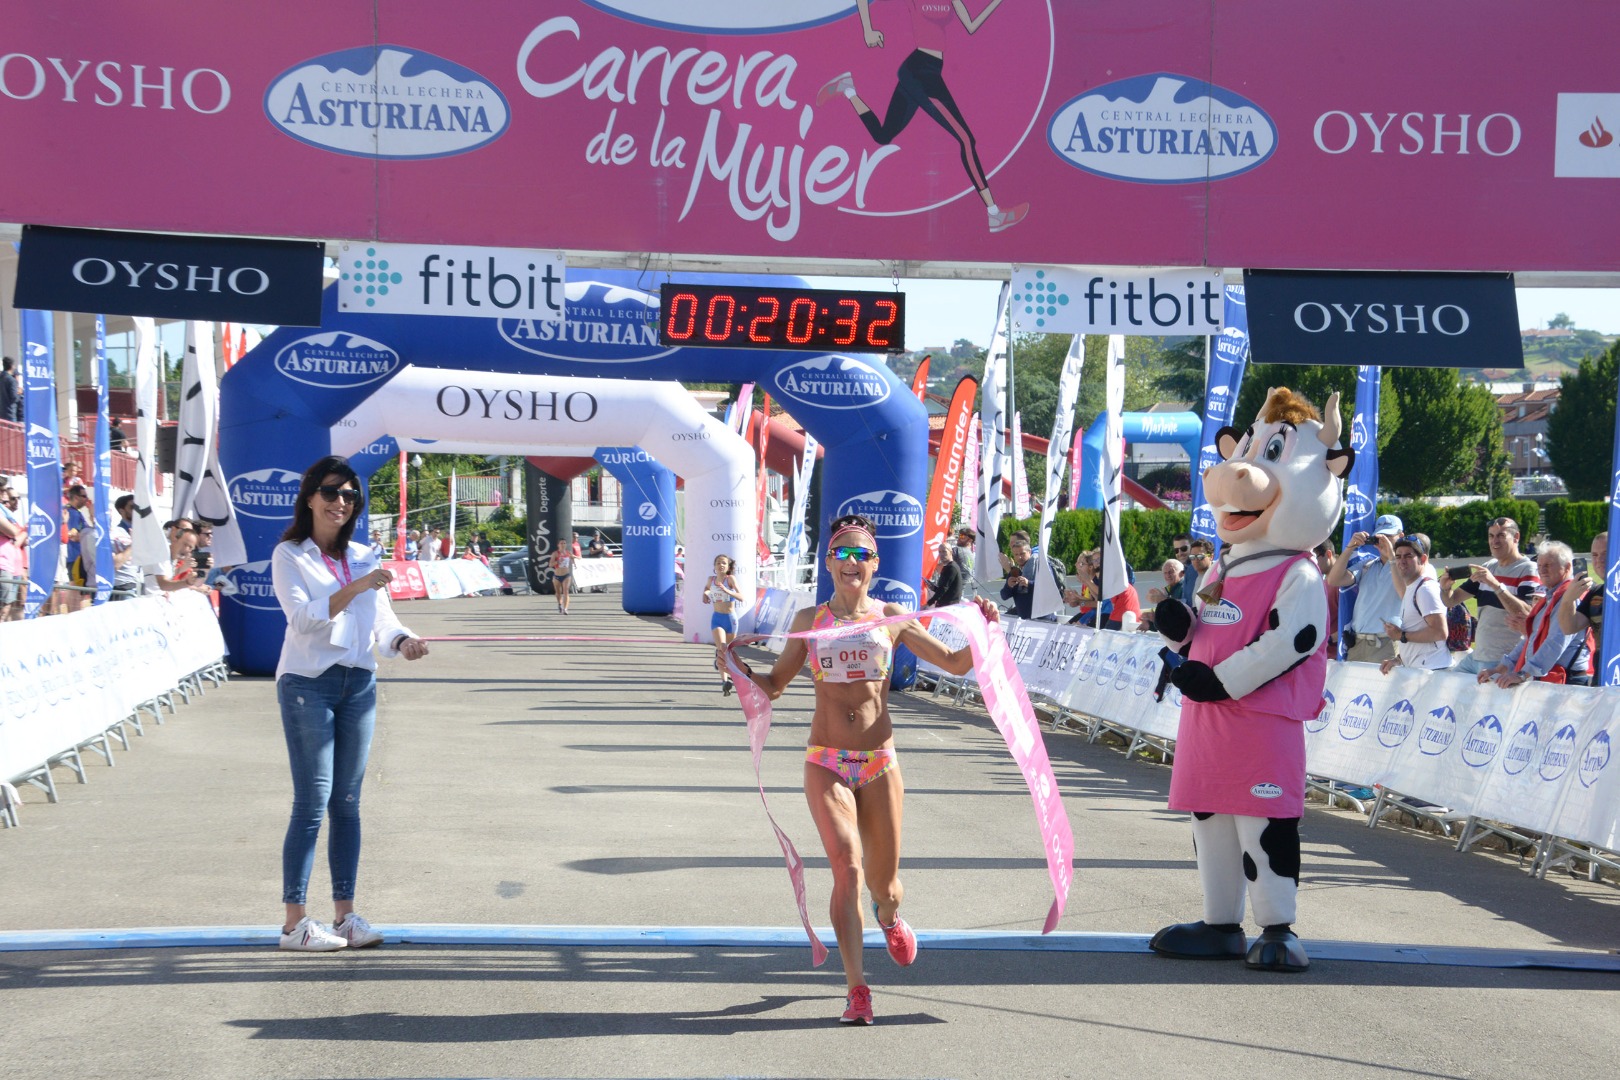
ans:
(859, 656)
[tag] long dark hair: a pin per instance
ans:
(303, 523)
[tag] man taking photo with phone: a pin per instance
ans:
(1506, 585)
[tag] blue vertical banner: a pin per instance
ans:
(1361, 494)
(1611, 573)
(1226, 369)
(103, 485)
(44, 459)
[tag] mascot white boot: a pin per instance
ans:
(1250, 661)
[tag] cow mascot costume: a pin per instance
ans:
(1250, 662)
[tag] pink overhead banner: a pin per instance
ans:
(1378, 134)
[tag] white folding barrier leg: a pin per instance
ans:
(102, 745)
(71, 759)
(117, 730)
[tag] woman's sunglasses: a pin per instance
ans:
(333, 494)
(859, 554)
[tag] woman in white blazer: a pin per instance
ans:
(334, 593)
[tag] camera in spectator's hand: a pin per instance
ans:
(202, 560)
(1349, 638)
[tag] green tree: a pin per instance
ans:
(1316, 384)
(1560, 321)
(1580, 432)
(1436, 445)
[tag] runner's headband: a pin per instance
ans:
(856, 530)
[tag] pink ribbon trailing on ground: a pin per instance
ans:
(1007, 702)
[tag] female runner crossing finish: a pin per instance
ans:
(851, 773)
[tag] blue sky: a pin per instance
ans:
(939, 312)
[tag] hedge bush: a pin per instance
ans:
(1575, 523)
(1456, 531)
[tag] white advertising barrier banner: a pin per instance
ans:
(1537, 757)
(473, 575)
(953, 638)
(439, 580)
(589, 573)
(66, 679)
(773, 614)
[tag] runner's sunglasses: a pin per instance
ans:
(859, 554)
(333, 494)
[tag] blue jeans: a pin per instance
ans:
(327, 721)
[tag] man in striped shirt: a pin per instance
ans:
(1506, 585)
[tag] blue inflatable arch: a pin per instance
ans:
(280, 407)
(1182, 428)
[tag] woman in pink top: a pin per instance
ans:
(13, 557)
(851, 773)
(922, 86)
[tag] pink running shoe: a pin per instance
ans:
(857, 1006)
(835, 88)
(1006, 219)
(901, 940)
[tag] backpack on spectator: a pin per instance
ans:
(1459, 628)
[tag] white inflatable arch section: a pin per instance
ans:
(523, 414)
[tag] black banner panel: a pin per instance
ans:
(1383, 319)
(209, 278)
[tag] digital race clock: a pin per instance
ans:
(745, 317)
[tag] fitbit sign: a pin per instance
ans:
(1388, 320)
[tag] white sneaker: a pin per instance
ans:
(310, 936)
(357, 932)
(1006, 219)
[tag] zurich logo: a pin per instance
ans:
(1482, 742)
(1521, 749)
(1559, 753)
(728, 16)
(1594, 759)
(1356, 718)
(647, 511)
(387, 101)
(1396, 724)
(1324, 715)
(1221, 613)
(832, 382)
(1162, 129)
(336, 360)
(606, 324)
(891, 591)
(894, 513)
(1439, 728)
(267, 494)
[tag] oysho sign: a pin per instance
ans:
(389, 102)
(1390, 320)
(438, 279)
(211, 278)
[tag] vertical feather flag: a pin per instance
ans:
(150, 548)
(43, 456)
(993, 423)
(1113, 549)
(1048, 598)
(954, 445)
(1020, 473)
(103, 486)
(919, 381)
